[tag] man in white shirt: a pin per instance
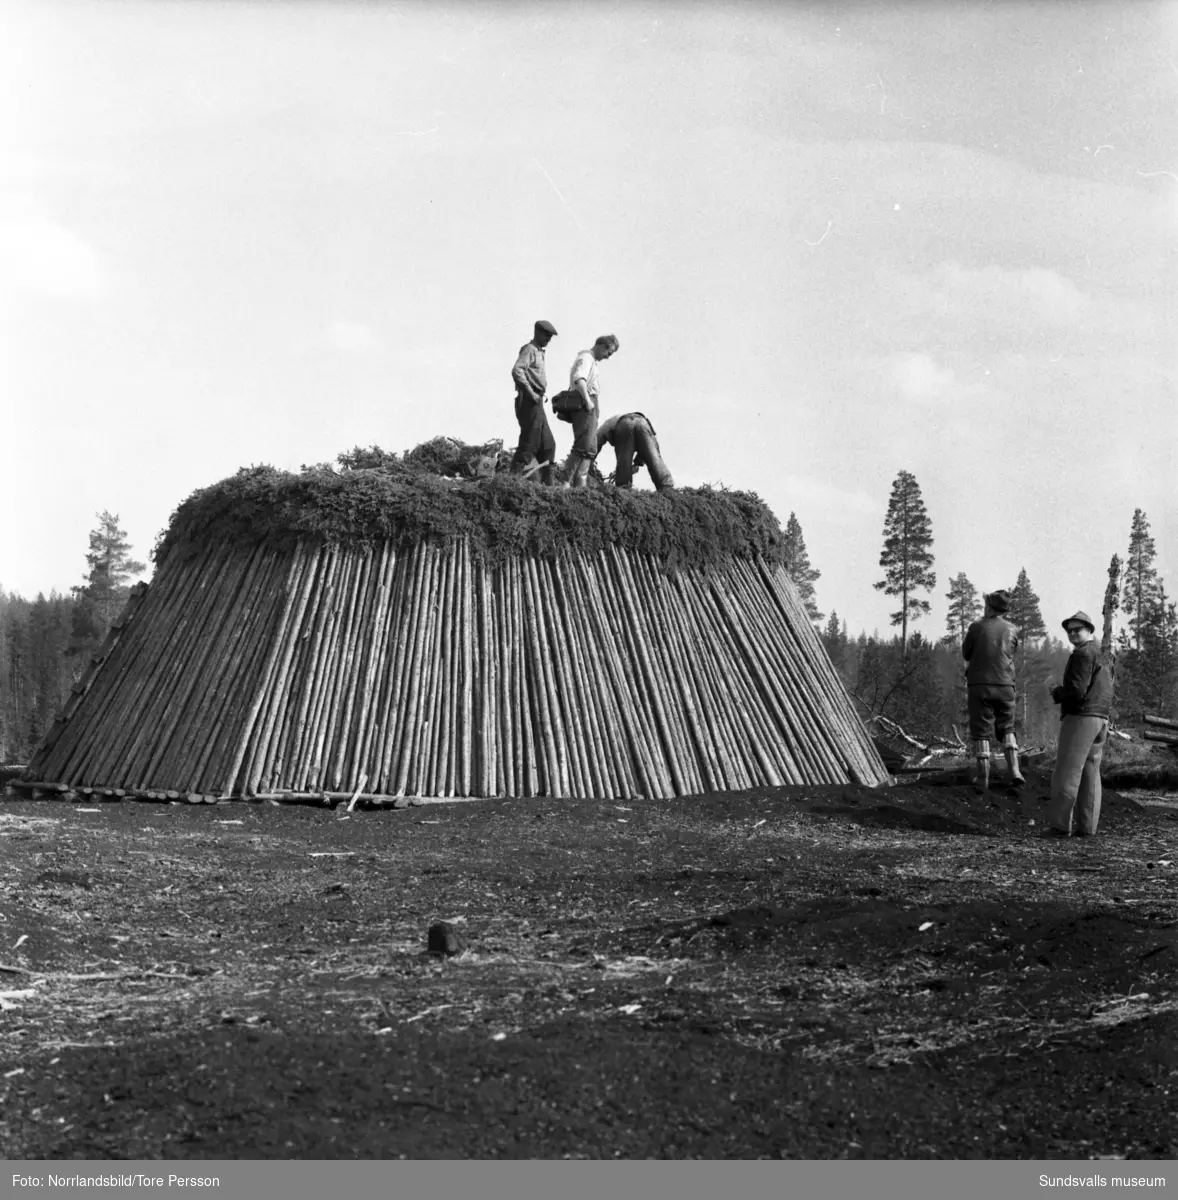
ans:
(633, 439)
(583, 379)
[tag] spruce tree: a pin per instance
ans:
(1140, 595)
(1030, 669)
(834, 638)
(964, 608)
(798, 568)
(907, 557)
(1024, 609)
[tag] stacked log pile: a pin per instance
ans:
(562, 645)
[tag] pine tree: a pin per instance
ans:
(1142, 585)
(102, 596)
(964, 608)
(907, 556)
(798, 568)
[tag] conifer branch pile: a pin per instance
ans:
(426, 496)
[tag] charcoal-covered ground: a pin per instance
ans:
(806, 972)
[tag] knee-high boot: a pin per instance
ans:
(982, 755)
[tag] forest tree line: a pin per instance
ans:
(917, 679)
(913, 678)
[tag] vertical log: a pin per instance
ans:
(125, 726)
(411, 718)
(175, 722)
(358, 646)
(72, 757)
(627, 692)
(322, 714)
(565, 694)
(388, 679)
(202, 716)
(275, 651)
(234, 694)
(293, 762)
(357, 762)
(288, 639)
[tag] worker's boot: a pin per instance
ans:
(982, 754)
(1011, 752)
(581, 474)
(548, 473)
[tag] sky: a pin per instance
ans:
(835, 242)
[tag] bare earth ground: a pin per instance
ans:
(806, 972)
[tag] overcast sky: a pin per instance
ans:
(835, 241)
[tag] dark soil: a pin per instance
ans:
(805, 972)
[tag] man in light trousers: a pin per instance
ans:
(1085, 700)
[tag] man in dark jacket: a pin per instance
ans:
(1085, 700)
(988, 650)
(636, 445)
(536, 443)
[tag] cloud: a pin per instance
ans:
(919, 378)
(351, 337)
(819, 494)
(38, 254)
(1001, 309)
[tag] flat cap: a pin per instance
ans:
(546, 327)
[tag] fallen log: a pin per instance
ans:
(1167, 739)
(1164, 722)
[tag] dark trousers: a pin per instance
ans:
(991, 711)
(535, 436)
(635, 443)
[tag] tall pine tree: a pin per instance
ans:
(907, 557)
(102, 596)
(798, 568)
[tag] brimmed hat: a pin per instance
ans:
(999, 601)
(546, 327)
(1079, 618)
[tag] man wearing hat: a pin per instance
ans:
(988, 650)
(584, 380)
(1085, 700)
(536, 443)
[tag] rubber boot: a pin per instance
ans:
(982, 782)
(548, 473)
(1016, 778)
(982, 755)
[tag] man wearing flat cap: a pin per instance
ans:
(988, 650)
(583, 379)
(536, 443)
(1085, 700)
